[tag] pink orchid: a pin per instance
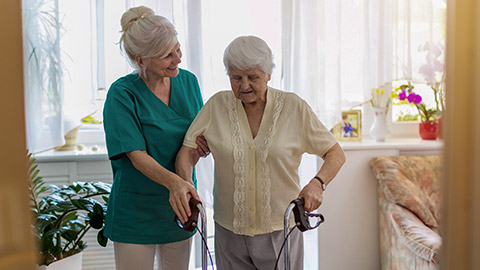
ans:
(403, 94)
(418, 99)
(411, 97)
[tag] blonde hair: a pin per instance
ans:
(247, 52)
(146, 34)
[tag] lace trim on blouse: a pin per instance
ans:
(240, 164)
(239, 169)
(265, 183)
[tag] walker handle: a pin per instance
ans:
(301, 216)
(192, 221)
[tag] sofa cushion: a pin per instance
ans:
(420, 239)
(412, 182)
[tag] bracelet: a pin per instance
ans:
(321, 181)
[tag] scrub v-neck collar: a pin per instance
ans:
(173, 95)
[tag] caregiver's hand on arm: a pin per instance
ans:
(202, 146)
(180, 191)
(313, 192)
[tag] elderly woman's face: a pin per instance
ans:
(250, 86)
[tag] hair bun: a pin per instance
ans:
(133, 15)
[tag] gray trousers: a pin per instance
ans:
(172, 256)
(234, 252)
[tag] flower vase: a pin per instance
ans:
(379, 129)
(428, 131)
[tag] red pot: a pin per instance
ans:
(428, 131)
(439, 128)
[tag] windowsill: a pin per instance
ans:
(404, 137)
(98, 152)
(88, 153)
(91, 134)
(410, 143)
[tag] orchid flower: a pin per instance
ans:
(406, 94)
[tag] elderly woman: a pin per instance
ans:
(257, 135)
(146, 116)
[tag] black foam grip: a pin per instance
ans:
(192, 221)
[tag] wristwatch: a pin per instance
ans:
(321, 181)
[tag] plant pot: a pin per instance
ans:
(439, 128)
(73, 262)
(428, 131)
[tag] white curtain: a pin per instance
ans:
(418, 36)
(418, 41)
(43, 75)
(378, 57)
(403, 40)
(311, 55)
(59, 85)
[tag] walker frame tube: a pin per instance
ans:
(203, 226)
(286, 223)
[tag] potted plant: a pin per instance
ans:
(63, 215)
(428, 127)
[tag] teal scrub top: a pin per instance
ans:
(138, 209)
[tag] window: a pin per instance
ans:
(418, 50)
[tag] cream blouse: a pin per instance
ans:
(256, 179)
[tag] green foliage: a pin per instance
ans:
(63, 215)
(408, 117)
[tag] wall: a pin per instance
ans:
(16, 242)
(349, 238)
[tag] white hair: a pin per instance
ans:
(247, 52)
(146, 34)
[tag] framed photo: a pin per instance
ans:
(350, 129)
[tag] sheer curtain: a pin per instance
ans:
(43, 75)
(378, 53)
(418, 43)
(60, 82)
(404, 40)
(311, 55)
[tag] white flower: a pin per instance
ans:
(433, 66)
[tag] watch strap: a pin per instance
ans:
(324, 186)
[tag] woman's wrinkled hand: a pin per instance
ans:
(202, 146)
(312, 193)
(180, 193)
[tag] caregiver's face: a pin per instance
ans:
(250, 86)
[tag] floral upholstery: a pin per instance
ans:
(409, 205)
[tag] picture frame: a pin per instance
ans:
(350, 128)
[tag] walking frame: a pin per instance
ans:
(197, 208)
(301, 222)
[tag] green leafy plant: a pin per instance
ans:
(63, 215)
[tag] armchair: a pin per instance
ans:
(409, 211)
